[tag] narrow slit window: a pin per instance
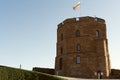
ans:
(97, 33)
(61, 50)
(61, 37)
(78, 59)
(78, 47)
(77, 33)
(60, 63)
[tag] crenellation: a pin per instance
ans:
(82, 20)
(71, 20)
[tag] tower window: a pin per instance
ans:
(61, 49)
(61, 37)
(78, 60)
(78, 47)
(77, 33)
(97, 33)
(60, 63)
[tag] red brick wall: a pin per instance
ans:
(93, 52)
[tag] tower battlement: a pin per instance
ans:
(86, 19)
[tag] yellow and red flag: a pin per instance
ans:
(76, 6)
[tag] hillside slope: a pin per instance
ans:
(8, 73)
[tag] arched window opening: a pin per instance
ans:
(77, 33)
(78, 47)
(78, 60)
(97, 33)
(60, 63)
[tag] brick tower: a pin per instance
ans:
(82, 48)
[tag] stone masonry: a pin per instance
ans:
(82, 48)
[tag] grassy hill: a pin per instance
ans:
(8, 73)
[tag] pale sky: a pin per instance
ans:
(28, 29)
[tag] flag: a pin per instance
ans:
(76, 6)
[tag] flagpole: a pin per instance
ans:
(76, 7)
(80, 9)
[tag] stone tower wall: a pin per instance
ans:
(93, 51)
